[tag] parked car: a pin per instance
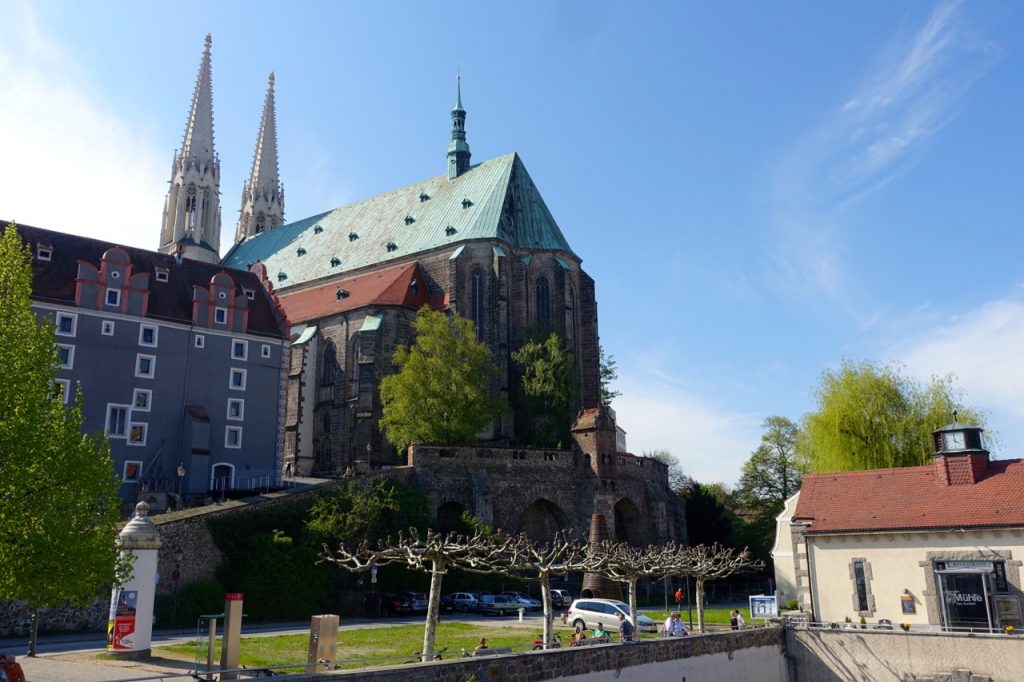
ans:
(587, 612)
(403, 602)
(463, 601)
(497, 604)
(447, 604)
(525, 600)
(560, 598)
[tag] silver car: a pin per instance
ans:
(586, 613)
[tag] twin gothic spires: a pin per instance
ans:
(263, 194)
(192, 217)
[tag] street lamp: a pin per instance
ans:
(181, 477)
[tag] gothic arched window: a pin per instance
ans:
(329, 367)
(190, 207)
(543, 301)
(476, 302)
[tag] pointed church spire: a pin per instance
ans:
(263, 194)
(191, 223)
(458, 148)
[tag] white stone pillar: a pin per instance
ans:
(130, 624)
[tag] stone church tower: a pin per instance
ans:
(263, 194)
(191, 224)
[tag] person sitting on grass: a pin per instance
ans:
(577, 637)
(481, 646)
(600, 632)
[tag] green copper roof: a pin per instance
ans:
(492, 200)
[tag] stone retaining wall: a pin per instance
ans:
(747, 655)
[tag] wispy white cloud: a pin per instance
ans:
(982, 348)
(710, 441)
(876, 135)
(70, 162)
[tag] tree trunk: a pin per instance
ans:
(699, 589)
(433, 607)
(632, 606)
(545, 597)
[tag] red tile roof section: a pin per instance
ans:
(54, 281)
(392, 286)
(911, 498)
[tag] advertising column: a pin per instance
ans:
(130, 623)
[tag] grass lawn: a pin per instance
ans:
(377, 646)
(364, 647)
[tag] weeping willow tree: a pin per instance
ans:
(871, 416)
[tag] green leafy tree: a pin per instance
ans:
(366, 511)
(771, 474)
(678, 481)
(442, 391)
(608, 374)
(871, 416)
(58, 490)
(550, 390)
(709, 518)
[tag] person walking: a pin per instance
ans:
(679, 599)
(736, 620)
(625, 629)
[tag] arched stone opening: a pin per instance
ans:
(449, 518)
(629, 523)
(542, 519)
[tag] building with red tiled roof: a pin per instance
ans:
(936, 546)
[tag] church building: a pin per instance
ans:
(476, 239)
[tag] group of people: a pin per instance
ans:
(579, 635)
(674, 626)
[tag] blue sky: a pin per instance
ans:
(759, 189)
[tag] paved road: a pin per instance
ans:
(74, 658)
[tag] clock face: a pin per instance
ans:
(954, 440)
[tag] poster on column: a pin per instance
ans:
(121, 621)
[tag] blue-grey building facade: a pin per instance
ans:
(178, 362)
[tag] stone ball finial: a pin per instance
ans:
(142, 509)
(139, 532)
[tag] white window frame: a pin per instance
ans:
(70, 364)
(244, 345)
(250, 294)
(127, 420)
(220, 315)
(139, 357)
(107, 327)
(124, 471)
(241, 409)
(44, 252)
(213, 469)
(228, 430)
(135, 400)
(162, 275)
(265, 350)
(200, 341)
(117, 297)
(145, 434)
(66, 316)
(156, 335)
(231, 379)
(65, 391)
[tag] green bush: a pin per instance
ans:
(183, 608)
(792, 605)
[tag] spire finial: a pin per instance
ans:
(458, 148)
(208, 42)
(270, 80)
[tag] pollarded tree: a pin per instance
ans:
(442, 391)
(537, 562)
(434, 553)
(713, 562)
(550, 390)
(870, 416)
(622, 562)
(58, 490)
